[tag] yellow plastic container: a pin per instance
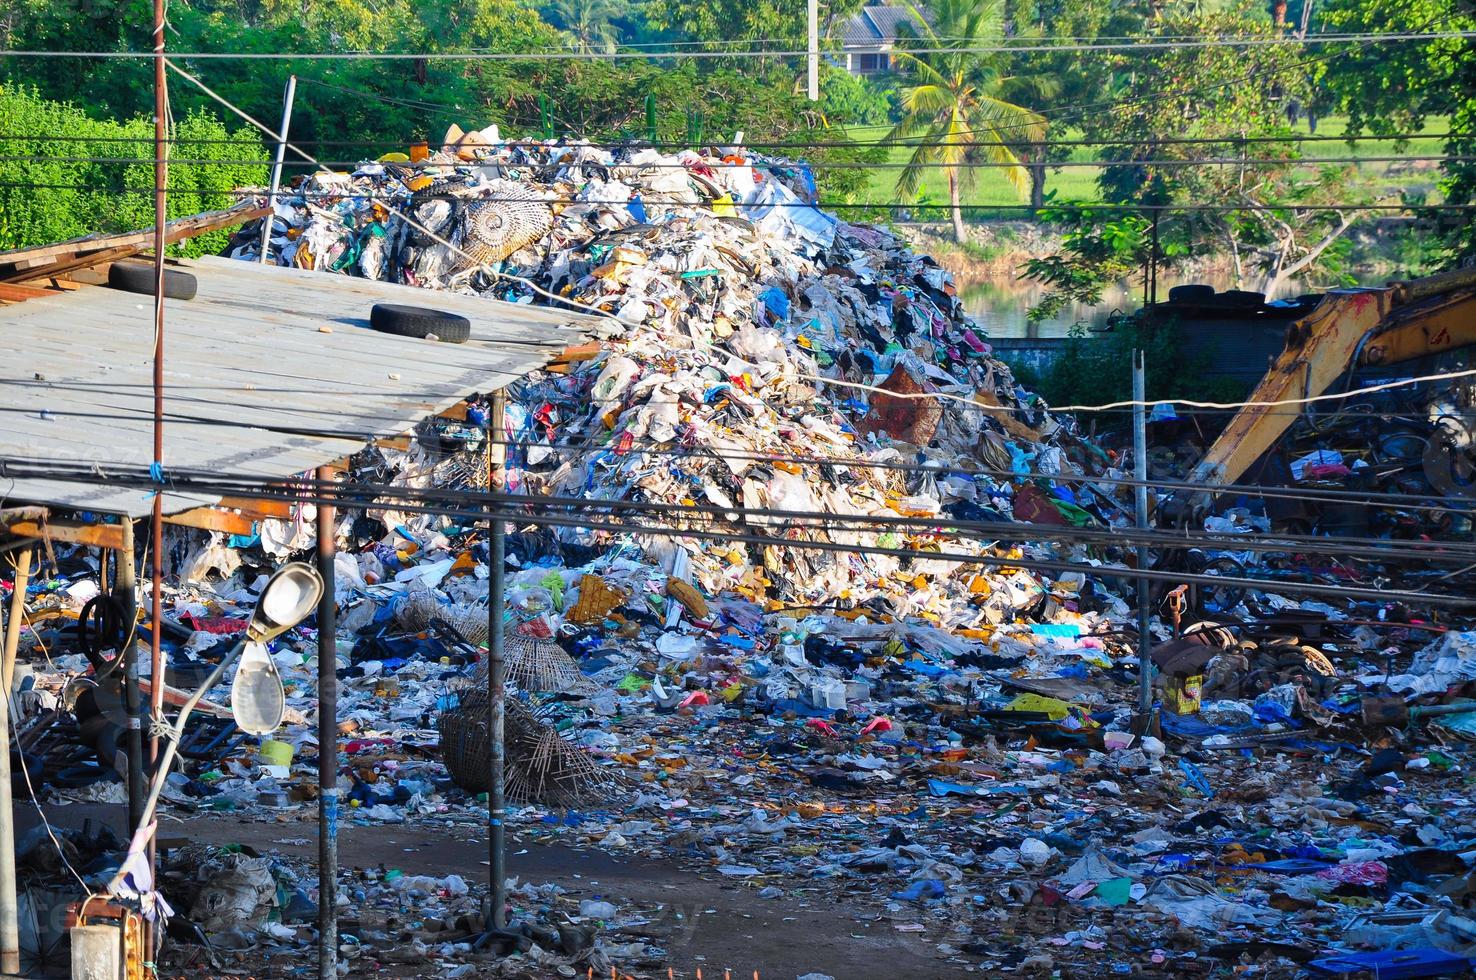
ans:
(1181, 695)
(275, 753)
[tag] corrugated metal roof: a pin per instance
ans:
(268, 372)
(873, 26)
(860, 30)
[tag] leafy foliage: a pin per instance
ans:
(855, 100)
(1215, 96)
(1097, 248)
(590, 23)
(75, 188)
(1398, 88)
(951, 101)
(1101, 366)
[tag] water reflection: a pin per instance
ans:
(1000, 306)
(999, 302)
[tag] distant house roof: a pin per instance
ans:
(877, 26)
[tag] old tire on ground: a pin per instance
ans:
(135, 277)
(418, 321)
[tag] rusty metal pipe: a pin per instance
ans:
(1412, 290)
(9, 910)
(327, 742)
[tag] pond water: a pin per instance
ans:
(1000, 303)
(1000, 306)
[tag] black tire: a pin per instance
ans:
(417, 321)
(1241, 299)
(135, 277)
(1194, 292)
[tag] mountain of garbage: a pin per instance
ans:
(793, 658)
(761, 355)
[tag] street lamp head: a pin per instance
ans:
(290, 594)
(258, 701)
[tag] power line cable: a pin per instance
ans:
(382, 495)
(1217, 581)
(1289, 207)
(1400, 501)
(824, 166)
(636, 143)
(1144, 45)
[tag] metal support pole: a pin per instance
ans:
(1153, 262)
(266, 223)
(1140, 473)
(327, 741)
(9, 914)
(496, 679)
(126, 592)
(812, 57)
(161, 183)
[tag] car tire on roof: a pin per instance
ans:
(136, 277)
(418, 321)
(1192, 292)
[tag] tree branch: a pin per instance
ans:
(1344, 221)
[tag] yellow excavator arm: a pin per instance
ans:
(1350, 327)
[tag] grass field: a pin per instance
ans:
(991, 189)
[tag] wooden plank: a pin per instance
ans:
(175, 230)
(258, 509)
(70, 532)
(580, 352)
(19, 294)
(212, 519)
(233, 515)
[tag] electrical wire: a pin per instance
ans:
(378, 495)
(547, 520)
(1142, 45)
(1400, 501)
(15, 735)
(1291, 207)
(562, 143)
(823, 166)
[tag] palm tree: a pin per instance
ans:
(951, 102)
(589, 22)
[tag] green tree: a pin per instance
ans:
(1400, 88)
(54, 189)
(1178, 106)
(951, 102)
(1063, 75)
(590, 23)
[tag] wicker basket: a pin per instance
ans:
(540, 766)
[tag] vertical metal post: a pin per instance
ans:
(496, 679)
(812, 56)
(126, 592)
(327, 737)
(9, 914)
(1140, 473)
(1153, 261)
(161, 183)
(266, 223)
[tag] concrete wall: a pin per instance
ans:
(1035, 353)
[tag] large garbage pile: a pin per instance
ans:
(944, 749)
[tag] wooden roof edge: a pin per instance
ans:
(45, 261)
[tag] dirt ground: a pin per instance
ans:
(722, 927)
